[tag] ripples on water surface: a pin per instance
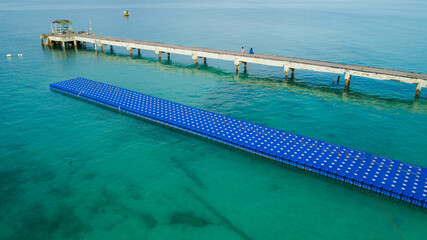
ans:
(132, 179)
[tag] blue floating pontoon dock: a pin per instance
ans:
(389, 177)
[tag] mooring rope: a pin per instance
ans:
(386, 212)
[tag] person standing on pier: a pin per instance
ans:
(243, 50)
(251, 51)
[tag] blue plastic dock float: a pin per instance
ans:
(382, 175)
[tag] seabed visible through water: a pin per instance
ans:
(130, 179)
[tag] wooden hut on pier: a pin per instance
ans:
(62, 26)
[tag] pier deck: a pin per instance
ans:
(287, 63)
(386, 176)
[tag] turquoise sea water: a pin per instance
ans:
(131, 179)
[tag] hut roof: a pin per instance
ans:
(62, 22)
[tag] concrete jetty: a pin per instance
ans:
(287, 63)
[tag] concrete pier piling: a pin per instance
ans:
(159, 53)
(347, 81)
(286, 68)
(237, 63)
(196, 58)
(288, 63)
(418, 90)
(130, 49)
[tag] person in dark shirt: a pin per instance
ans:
(251, 51)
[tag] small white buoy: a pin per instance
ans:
(9, 55)
(20, 55)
